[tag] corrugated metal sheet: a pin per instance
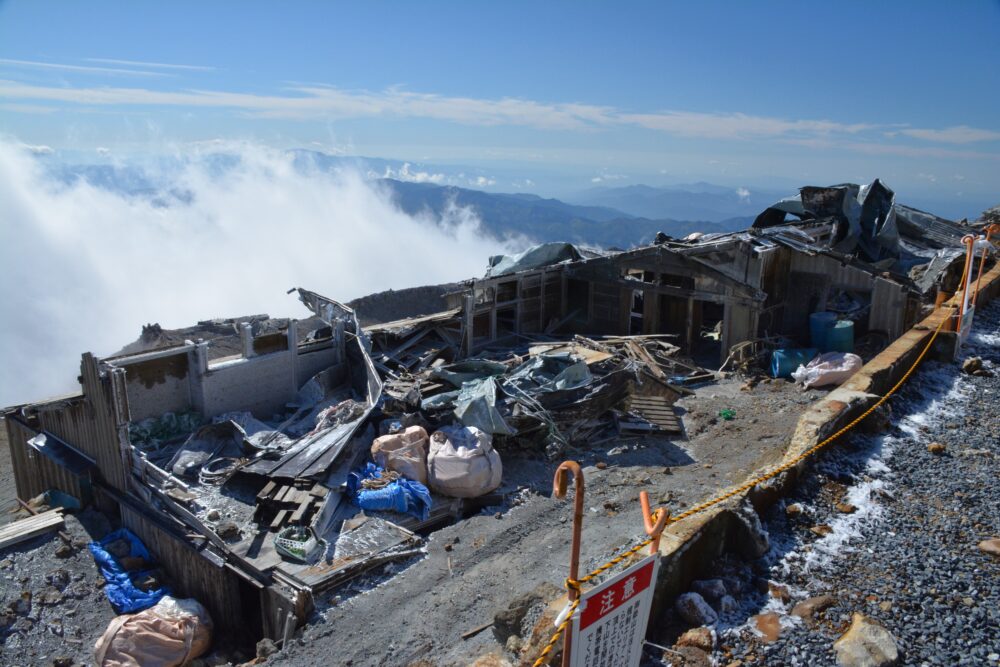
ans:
(89, 423)
(34, 473)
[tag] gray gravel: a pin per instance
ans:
(68, 609)
(908, 556)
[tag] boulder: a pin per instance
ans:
(21, 605)
(266, 648)
(769, 625)
(779, 592)
(693, 609)
(701, 638)
(710, 589)
(972, 364)
(991, 546)
(812, 606)
(228, 530)
(936, 448)
(50, 596)
(866, 644)
(726, 604)
(793, 510)
(59, 578)
(688, 656)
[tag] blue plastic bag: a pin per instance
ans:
(403, 495)
(124, 596)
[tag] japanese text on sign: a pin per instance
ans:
(611, 626)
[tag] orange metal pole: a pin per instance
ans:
(560, 484)
(969, 242)
(982, 262)
(654, 526)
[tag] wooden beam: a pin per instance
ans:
(33, 526)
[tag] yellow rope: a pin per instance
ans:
(576, 584)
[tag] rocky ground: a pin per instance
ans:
(416, 613)
(887, 539)
(52, 602)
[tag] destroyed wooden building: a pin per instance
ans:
(81, 445)
(287, 419)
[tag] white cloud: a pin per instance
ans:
(743, 194)
(39, 149)
(36, 64)
(140, 63)
(737, 125)
(959, 134)
(482, 181)
(114, 262)
(404, 173)
(314, 101)
(103, 152)
(605, 176)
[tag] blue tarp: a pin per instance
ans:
(124, 596)
(403, 495)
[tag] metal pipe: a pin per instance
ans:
(982, 262)
(654, 526)
(968, 240)
(560, 484)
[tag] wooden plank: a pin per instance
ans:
(301, 510)
(279, 520)
(413, 340)
(19, 531)
(475, 631)
(267, 490)
(318, 491)
(27, 525)
(293, 497)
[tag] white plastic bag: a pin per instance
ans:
(462, 462)
(826, 369)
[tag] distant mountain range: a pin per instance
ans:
(694, 201)
(542, 220)
(502, 216)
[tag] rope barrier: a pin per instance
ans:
(577, 584)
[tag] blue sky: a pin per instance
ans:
(763, 94)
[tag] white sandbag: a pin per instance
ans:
(462, 462)
(169, 634)
(829, 368)
(405, 452)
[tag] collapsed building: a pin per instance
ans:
(241, 472)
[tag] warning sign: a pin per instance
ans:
(610, 627)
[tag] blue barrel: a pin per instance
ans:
(819, 328)
(783, 362)
(841, 337)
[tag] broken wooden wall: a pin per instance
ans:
(191, 574)
(35, 473)
(90, 423)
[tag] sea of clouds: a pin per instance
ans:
(228, 229)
